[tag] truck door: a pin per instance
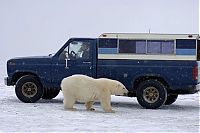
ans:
(78, 57)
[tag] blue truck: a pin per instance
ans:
(155, 68)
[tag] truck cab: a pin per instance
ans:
(77, 56)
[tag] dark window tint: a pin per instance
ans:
(186, 44)
(132, 46)
(127, 46)
(107, 43)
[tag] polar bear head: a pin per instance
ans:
(119, 89)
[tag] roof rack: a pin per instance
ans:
(148, 36)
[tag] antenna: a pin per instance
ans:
(149, 30)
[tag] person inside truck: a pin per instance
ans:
(85, 50)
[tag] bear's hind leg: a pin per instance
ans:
(88, 106)
(69, 103)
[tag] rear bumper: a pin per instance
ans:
(197, 88)
(7, 81)
(188, 90)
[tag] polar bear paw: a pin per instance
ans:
(110, 111)
(71, 109)
(91, 109)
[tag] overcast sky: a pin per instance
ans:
(40, 27)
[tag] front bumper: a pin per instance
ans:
(7, 81)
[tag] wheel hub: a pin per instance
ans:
(151, 94)
(29, 89)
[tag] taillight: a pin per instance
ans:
(195, 72)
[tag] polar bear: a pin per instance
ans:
(85, 89)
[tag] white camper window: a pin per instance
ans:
(154, 47)
(160, 46)
(141, 47)
(168, 47)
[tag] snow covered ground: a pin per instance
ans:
(49, 115)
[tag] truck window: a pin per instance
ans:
(160, 46)
(167, 47)
(64, 54)
(132, 46)
(146, 47)
(76, 50)
(186, 46)
(107, 46)
(79, 49)
(128, 46)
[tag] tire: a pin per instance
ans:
(28, 89)
(50, 94)
(151, 94)
(171, 98)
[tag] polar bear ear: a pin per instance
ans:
(118, 85)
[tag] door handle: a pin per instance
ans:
(85, 62)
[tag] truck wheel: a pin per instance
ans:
(151, 94)
(171, 98)
(50, 94)
(28, 89)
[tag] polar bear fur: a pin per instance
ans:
(85, 89)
